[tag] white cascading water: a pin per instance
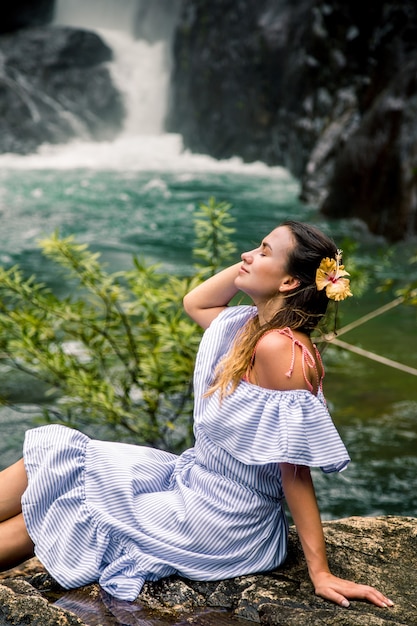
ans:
(140, 33)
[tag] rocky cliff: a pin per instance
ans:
(380, 551)
(326, 88)
(54, 82)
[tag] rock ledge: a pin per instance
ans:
(380, 551)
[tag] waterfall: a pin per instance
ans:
(140, 33)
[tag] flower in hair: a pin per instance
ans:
(331, 276)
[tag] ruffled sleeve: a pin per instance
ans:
(258, 426)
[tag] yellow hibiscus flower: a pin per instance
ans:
(331, 276)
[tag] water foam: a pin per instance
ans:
(133, 154)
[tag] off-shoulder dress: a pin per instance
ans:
(122, 514)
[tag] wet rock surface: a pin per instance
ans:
(379, 551)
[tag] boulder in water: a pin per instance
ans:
(55, 85)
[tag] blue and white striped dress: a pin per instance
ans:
(123, 514)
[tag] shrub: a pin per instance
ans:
(119, 351)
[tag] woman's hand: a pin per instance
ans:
(340, 591)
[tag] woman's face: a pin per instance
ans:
(263, 275)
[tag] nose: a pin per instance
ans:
(247, 257)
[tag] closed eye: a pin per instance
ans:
(265, 247)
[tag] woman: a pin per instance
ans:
(123, 514)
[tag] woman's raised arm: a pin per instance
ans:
(204, 303)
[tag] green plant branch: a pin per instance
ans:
(137, 347)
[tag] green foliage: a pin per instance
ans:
(378, 272)
(213, 234)
(358, 275)
(405, 289)
(119, 351)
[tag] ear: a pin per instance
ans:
(289, 283)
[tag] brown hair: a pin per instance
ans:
(303, 307)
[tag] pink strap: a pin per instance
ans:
(306, 355)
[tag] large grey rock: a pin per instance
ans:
(379, 551)
(55, 85)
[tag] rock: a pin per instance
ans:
(298, 84)
(21, 604)
(54, 86)
(379, 551)
(374, 172)
(225, 79)
(25, 13)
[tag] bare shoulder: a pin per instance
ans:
(275, 355)
(282, 340)
(273, 343)
(272, 361)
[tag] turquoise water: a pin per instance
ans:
(138, 198)
(145, 213)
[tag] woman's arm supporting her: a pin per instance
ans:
(204, 303)
(301, 499)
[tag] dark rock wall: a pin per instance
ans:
(221, 84)
(25, 13)
(375, 174)
(54, 86)
(262, 74)
(298, 84)
(54, 82)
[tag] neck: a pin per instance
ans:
(267, 310)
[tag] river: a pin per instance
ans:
(137, 197)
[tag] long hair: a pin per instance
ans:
(303, 307)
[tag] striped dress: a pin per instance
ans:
(122, 514)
